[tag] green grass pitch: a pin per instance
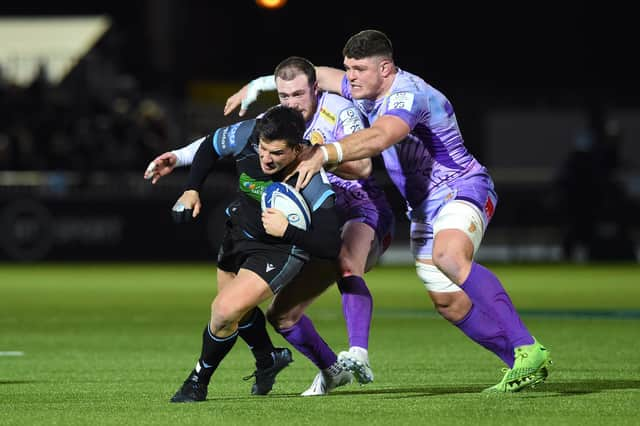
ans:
(110, 343)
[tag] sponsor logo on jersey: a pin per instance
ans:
(316, 138)
(253, 187)
(331, 118)
(401, 100)
(350, 120)
(270, 267)
(222, 140)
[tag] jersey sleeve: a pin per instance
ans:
(408, 106)
(225, 141)
(318, 190)
(202, 165)
(185, 155)
(349, 121)
(231, 140)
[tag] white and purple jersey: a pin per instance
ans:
(361, 199)
(432, 158)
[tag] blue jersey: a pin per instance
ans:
(241, 142)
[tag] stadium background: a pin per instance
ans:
(545, 97)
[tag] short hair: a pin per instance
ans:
(293, 66)
(282, 123)
(368, 43)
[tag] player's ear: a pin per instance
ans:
(385, 67)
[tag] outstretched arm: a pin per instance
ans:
(188, 205)
(329, 79)
(248, 94)
(357, 169)
(164, 163)
(365, 143)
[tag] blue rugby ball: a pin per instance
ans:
(285, 198)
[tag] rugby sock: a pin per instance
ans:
(357, 305)
(485, 290)
(480, 328)
(305, 338)
(254, 332)
(214, 349)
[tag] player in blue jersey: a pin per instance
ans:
(450, 196)
(261, 252)
(366, 232)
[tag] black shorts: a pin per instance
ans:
(275, 266)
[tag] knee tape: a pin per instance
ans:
(434, 280)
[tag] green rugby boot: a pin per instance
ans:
(531, 367)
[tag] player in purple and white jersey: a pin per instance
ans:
(366, 214)
(366, 233)
(450, 196)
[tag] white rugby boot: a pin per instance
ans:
(356, 360)
(329, 379)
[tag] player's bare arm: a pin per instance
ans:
(235, 100)
(249, 93)
(160, 166)
(330, 79)
(357, 169)
(365, 143)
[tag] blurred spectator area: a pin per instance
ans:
(78, 128)
(69, 102)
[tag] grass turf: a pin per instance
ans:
(109, 344)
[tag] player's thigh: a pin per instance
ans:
(357, 241)
(314, 278)
(246, 291)
(224, 277)
(458, 230)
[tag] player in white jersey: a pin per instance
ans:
(450, 196)
(366, 233)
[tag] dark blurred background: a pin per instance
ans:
(547, 96)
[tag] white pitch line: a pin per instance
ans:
(11, 353)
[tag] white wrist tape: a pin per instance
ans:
(260, 84)
(325, 154)
(338, 151)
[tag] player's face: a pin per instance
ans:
(275, 155)
(298, 94)
(365, 77)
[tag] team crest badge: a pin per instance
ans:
(316, 138)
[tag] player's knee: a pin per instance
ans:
(346, 266)
(451, 306)
(350, 264)
(281, 320)
(224, 315)
(452, 263)
(271, 317)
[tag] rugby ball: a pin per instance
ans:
(285, 198)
